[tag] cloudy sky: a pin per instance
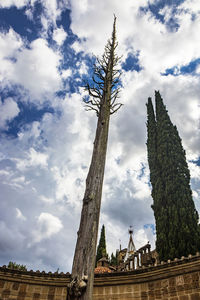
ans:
(46, 51)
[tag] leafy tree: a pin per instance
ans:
(15, 266)
(103, 90)
(101, 249)
(113, 260)
(174, 210)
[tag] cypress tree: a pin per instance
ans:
(113, 260)
(174, 210)
(160, 211)
(101, 249)
(152, 144)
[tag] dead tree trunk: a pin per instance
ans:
(103, 93)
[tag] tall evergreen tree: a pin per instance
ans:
(160, 211)
(101, 249)
(174, 210)
(152, 144)
(113, 260)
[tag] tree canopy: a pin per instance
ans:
(101, 248)
(176, 218)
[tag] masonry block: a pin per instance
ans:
(36, 296)
(184, 297)
(15, 286)
(144, 296)
(195, 296)
(6, 293)
(21, 294)
(2, 282)
(172, 281)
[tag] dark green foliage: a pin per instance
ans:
(113, 260)
(152, 144)
(101, 249)
(15, 266)
(175, 214)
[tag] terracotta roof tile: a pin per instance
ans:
(101, 270)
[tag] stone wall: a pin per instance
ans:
(22, 285)
(176, 280)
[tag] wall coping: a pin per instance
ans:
(164, 270)
(149, 274)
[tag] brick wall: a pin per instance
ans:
(177, 280)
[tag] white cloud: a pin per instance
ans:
(10, 236)
(47, 225)
(194, 171)
(198, 69)
(8, 110)
(77, 46)
(19, 215)
(159, 48)
(37, 158)
(66, 73)
(193, 6)
(82, 68)
(10, 44)
(143, 236)
(33, 132)
(17, 3)
(52, 10)
(59, 35)
(34, 68)
(46, 199)
(34, 159)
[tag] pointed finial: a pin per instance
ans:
(130, 231)
(120, 246)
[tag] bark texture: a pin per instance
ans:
(104, 94)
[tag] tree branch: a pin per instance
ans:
(112, 111)
(90, 107)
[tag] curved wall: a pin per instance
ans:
(177, 280)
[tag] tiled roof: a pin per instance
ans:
(101, 270)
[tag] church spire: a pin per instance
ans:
(131, 247)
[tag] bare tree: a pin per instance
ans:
(103, 93)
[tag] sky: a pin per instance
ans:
(47, 50)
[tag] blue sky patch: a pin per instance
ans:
(152, 226)
(156, 7)
(187, 69)
(28, 114)
(132, 63)
(142, 170)
(65, 20)
(197, 162)
(18, 20)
